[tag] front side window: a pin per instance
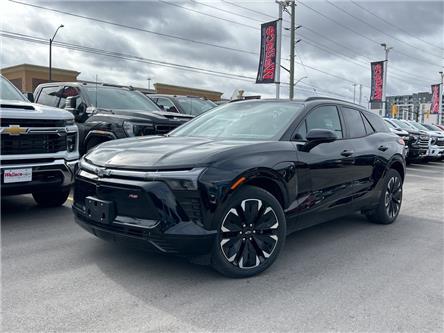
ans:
(67, 92)
(195, 106)
(353, 121)
(243, 121)
(50, 96)
(9, 92)
(323, 117)
(165, 104)
(113, 98)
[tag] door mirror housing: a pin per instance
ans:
(79, 111)
(29, 96)
(321, 135)
(317, 136)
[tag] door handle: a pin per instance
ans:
(382, 148)
(347, 153)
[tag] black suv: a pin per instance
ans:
(229, 185)
(191, 105)
(106, 112)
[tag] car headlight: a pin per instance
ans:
(414, 138)
(71, 142)
(433, 140)
(138, 129)
(69, 122)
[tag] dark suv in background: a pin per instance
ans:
(105, 112)
(191, 105)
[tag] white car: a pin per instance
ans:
(436, 144)
(39, 148)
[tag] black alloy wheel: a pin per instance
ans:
(390, 202)
(393, 196)
(251, 233)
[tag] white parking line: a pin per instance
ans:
(434, 178)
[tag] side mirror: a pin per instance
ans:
(29, 96)
(172, 109)
(321, 135)
(317, 136)
(79, 111)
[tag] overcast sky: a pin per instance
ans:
(338, 41)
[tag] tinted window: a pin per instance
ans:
(243, 121)
(354, 123)
(165, 104)
(323, 117)
(119, 99)
(368, 128)
(67, 91)
(50, 96)
(195, 106)
(377, 122)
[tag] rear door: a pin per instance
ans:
(360, 134)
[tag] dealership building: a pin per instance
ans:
(27, 77)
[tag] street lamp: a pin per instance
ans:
(304, 77)
(149, 83)
(384, 90)
(50, 51)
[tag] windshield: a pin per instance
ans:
(195, 106)
(243, 121)
(419, 126)
(119, 99)
(9, 92)
(432, 127)
(390, 125)
(403, 125)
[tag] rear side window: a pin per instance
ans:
(50, 96)
(377, 122)
(354, 123)
(369, 129)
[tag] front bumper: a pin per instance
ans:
(46, 176)
(416, 153)
(145, 214)
(435, 151)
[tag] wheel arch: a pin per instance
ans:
(397, 164)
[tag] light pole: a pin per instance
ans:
(384, 90)
(50, 51)
(149, 83)
(354, 92)
(440, 113)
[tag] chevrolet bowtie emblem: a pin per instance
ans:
(14, 130)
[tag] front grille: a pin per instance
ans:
(32, 144)
(32, 122)
(164, 129)
(423, 142)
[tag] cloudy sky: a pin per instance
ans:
(338, 41)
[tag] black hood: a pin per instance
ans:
(152, 153)
(144, 115)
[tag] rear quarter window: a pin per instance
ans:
(377, 122)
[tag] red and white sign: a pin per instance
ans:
(267, 63)
(17, 175)
(434, 108)
(377, 86)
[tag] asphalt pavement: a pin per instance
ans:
(344, 275)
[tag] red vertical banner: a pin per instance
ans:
(266, 72)
(434, 108)
(377, 86)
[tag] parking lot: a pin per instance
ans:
(346, 275)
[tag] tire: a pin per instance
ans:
(246, 244)
(52, 198)
(390, 201)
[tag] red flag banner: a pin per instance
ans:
(266, 72)
(377, 86)
(434, 108)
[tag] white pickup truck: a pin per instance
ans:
(39, 148)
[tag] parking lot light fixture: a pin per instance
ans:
(50, 51)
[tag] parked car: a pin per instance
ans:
(440, 126)
(105, 112)
(231, 184)
(436, 143)
(401, 133)
(433, 128)
(39, 148)
(418, 142)
(191, 105)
